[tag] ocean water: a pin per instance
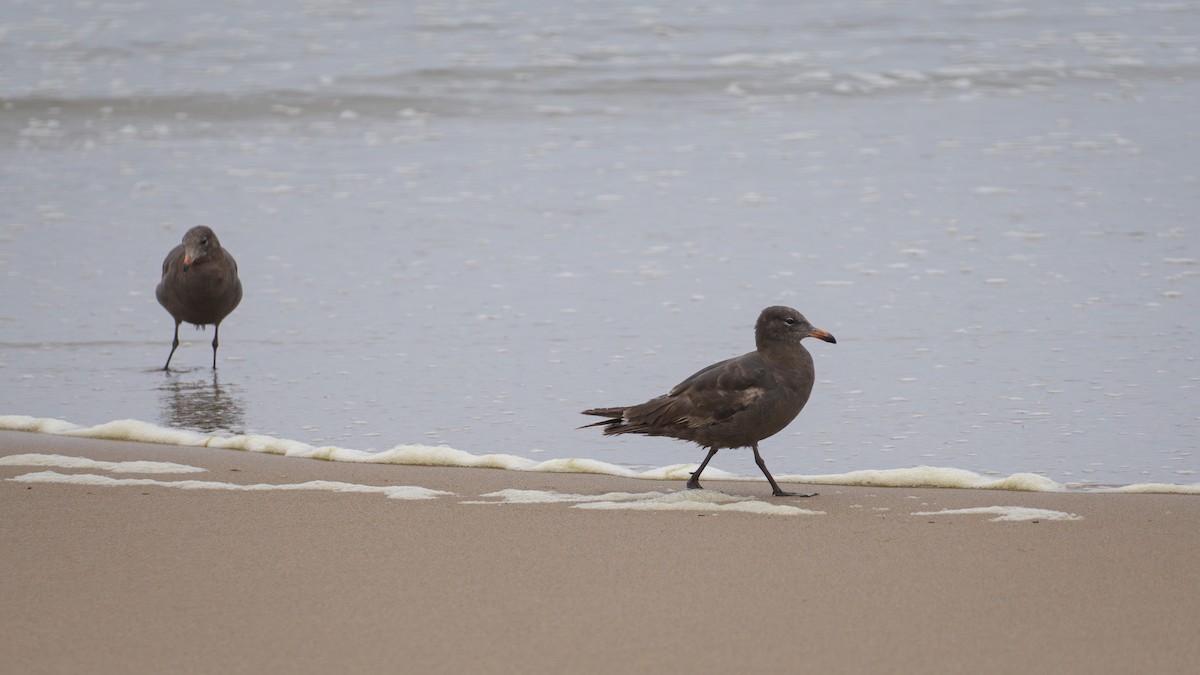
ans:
(458, 224)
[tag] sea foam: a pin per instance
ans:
(687, 500)
(67, 462)
(429, 455)
(932, 477)
(1005, 513)
(389, 491)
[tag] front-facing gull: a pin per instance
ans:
(199, 284)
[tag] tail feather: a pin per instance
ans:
(612, 425)
(606, 412)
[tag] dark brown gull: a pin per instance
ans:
(199, 284)
(734, 403)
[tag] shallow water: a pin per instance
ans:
(463, 223)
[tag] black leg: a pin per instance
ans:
(775, 490)
(174, 344)
(694, 482)
(216, 331)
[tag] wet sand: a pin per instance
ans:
(146, 579)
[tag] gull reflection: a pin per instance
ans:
(201, 404)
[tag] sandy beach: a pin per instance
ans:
(460, 224)
(146, 578)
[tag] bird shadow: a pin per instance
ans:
(200, 403)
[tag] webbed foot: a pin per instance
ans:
(784, 493)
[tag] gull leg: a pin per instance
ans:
(775, 489)
(694, 482)
(174, 345)
(216, 331)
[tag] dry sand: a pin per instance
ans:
(147, 579)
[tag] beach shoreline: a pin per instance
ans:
(144, 577)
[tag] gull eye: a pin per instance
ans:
(790, 321)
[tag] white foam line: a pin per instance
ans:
(1005, 513)
(754, 507)
(515, 496)
(427, 455)
(932, 477)
(389, 491)
(687, 500)
(45, 425)
(411, 455)
(1156, 488)
(68, 462)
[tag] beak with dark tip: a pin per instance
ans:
(822, 335)
(191, 253)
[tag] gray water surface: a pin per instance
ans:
(462, 223)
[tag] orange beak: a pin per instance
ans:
(822, 335)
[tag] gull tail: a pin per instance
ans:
(616, 419)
